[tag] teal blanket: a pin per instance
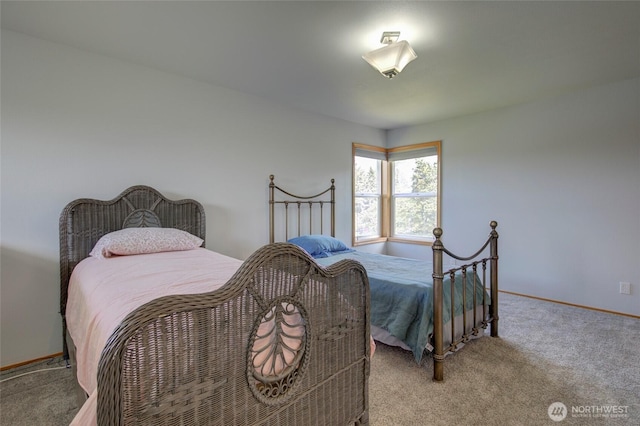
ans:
(402, 295)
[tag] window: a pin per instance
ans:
(396, 193)
(367, 195)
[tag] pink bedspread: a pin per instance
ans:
(103, 291)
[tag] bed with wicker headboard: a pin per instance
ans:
(417, 305)
(275, 339)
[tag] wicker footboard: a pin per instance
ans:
(284, 342)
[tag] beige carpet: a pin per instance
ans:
(547, 353)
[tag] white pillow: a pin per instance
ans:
(130, 241)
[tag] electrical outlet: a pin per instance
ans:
(625, 288)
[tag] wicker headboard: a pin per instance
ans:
(84, 221)
(308, 216)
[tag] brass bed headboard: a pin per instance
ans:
(315, 203)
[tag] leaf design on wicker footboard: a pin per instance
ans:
(278, 351)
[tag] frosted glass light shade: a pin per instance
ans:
(391, 59)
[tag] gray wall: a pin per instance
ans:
(81, 125)
(562, 178)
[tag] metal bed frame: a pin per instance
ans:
(442, 342)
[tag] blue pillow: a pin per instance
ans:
(320, 245)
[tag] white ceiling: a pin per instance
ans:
(472, 56)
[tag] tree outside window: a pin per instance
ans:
(408, 178)
(367, 198)
(414, 197)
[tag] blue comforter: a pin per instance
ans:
(402, 295)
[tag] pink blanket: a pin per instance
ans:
(103, 291)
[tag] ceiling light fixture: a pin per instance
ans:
(392, 58)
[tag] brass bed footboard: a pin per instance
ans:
(467, 333)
